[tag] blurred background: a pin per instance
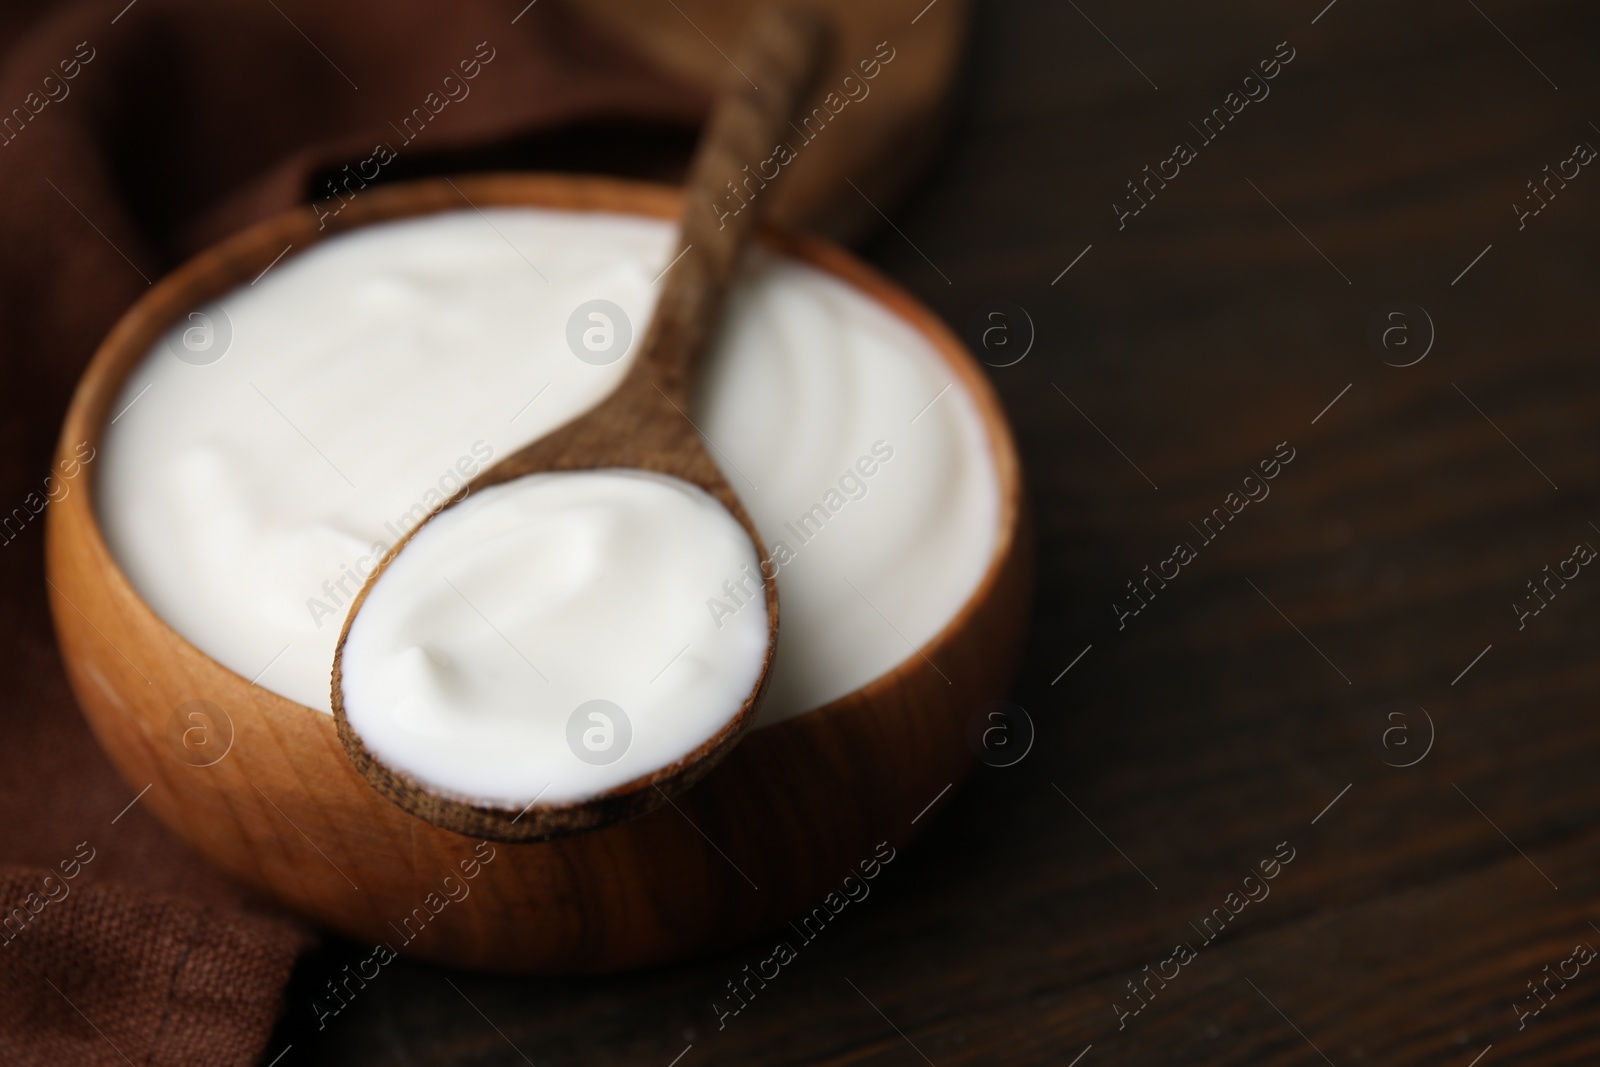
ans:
(1379, 260)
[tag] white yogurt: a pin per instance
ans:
(547, 638)
(364, 381)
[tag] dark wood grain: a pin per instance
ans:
(1210, 729)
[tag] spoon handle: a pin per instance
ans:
(740, 153)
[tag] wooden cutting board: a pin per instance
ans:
(878, 141)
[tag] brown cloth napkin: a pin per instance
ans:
(132, 135)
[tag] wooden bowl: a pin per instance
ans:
(764, 837)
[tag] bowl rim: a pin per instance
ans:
(219, 268)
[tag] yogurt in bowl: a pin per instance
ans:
(242, 496)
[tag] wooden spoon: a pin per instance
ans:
(643, 424)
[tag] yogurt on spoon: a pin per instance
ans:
(547, 638)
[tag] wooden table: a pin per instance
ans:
(1359, 617)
